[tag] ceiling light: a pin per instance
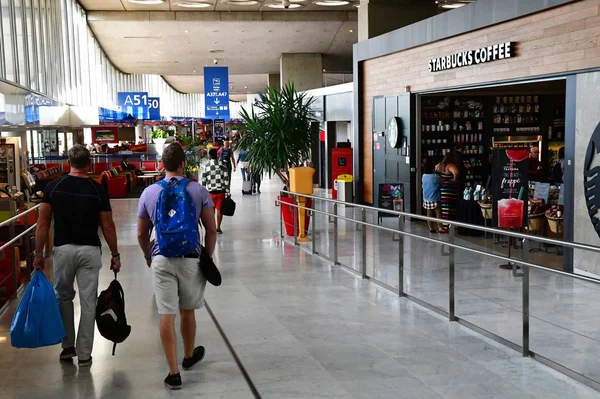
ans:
(453, 5)
(193, 4)
(332, 3)
(187, 31)
(351, 30)
(146, 2)
(282, 6)
(240, 2)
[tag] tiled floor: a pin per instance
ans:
(304, 328)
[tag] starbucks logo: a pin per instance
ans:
(591, 179)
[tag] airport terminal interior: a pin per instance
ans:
(407, 191)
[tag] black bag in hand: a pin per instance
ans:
(209, 269)
(110, 314)
(228, 206)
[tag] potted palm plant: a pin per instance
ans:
(278, 135)
(159, 136)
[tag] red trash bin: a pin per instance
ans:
(288, 215)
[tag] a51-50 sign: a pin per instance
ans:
(137, 104)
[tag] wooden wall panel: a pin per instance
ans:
(566, 38)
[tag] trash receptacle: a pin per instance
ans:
(345, 188)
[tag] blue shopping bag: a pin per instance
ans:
(37, 321)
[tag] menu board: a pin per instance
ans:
(391, 197)
(541, 191)
(510, 175)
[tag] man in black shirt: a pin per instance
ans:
(78, 205)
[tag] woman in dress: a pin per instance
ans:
(449, 191)
(432, 183)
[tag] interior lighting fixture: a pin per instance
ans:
(452, 4)
(240, 2)
(193, 4)
(332, 3)
(147, 2)
(292, 5)
(216, 51)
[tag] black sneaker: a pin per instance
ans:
(219, 231)
(85, 363)
(68, 353)
(198, 355)
(173, 381)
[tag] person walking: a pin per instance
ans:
(241, 161)
(178, 282)
(449, 190)
(256, 179)
(215, 179)
(432, 195)
(226, 156)
(78, 206)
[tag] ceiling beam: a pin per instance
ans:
(224, 16)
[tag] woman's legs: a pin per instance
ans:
(438, 214)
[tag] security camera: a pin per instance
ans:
(286, 4)
(216, 61)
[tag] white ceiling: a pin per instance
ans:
(178, 45)
(217, 5)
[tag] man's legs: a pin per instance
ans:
(169, 341)
(64, 278)
(188, 331)
(89, 263)
(243, 174)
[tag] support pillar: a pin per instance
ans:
(275, 80)
(305, 70)
(376, 17)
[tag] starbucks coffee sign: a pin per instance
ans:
(473, 57)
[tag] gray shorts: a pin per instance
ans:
(178, 284)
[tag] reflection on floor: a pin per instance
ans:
(304, 328)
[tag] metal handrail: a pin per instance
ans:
(545, 240)
(17, 238)
(448, 244)
(20, 215)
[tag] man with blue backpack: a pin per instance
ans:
(173, 207)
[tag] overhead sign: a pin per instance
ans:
(135, 103)
(216, 92)
(473, 57)
(154, 107)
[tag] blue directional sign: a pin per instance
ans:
(154, 106)
(216, 92)
(134, 103)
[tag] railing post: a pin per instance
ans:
(281, 232)
(401, 257)
(525, 299)
(14, 260)
(364, 245)
(295, 207)
(335, 233)
(313, 228)
(451, 310)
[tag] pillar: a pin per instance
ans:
(376, 17)
(275, 80)
(304, 69)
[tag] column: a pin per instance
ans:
(304, 69)
(376, 17)
(275, 80)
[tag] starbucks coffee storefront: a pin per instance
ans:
(476, 84)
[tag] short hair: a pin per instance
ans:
(125, 158)
(428, 168)
(79, 157)
(213, 153)
(172, 157)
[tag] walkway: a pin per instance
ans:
(301, 327)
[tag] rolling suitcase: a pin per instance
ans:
(247, 187)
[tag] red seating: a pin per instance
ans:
(136, 164)
(149, 166)
(100, 167)
(66, 167)
(115, 164)
(117, 186)
(160, 166)
(52, 165)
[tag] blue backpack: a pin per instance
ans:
(175, 219)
